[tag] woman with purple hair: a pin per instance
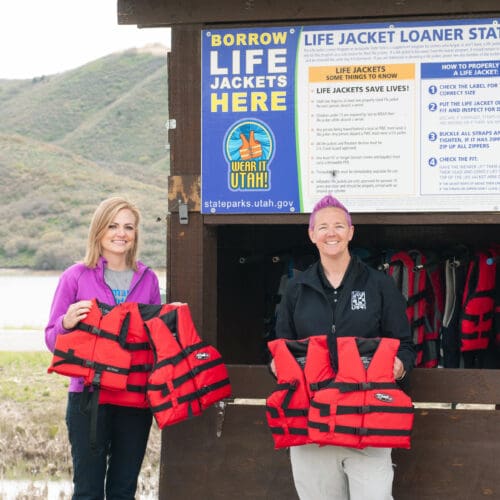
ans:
(339, 296)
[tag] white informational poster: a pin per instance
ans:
(401, 117)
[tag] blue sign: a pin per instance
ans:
(249, 162)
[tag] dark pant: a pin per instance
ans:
(115, 462)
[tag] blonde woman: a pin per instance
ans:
(110, 273)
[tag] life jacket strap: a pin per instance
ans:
(485, 334)
(173, 360)
(146, 367)
(324, 408)
(70, 358)
(136, 388)
(316, 386)
(89, 405)
(99, 332)
(177, 382)
(137, 346)
(417, 297)
(362, 410)
(476, 318)
(364, 431)
(362, 386)
(297, 431)
(192, 396)
(320, 426)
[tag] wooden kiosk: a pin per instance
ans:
(213, 265)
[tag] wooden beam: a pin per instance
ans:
(174, 12)
(426, 385)
(415, 218)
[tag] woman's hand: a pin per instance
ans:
(399, 369)
(272, 367)
(76, 312)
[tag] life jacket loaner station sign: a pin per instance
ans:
(389, 117)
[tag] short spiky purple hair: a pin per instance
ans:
(325, 202)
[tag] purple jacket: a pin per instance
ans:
(79, 282)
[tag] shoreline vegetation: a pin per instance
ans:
(33, 435)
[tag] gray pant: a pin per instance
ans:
(338, 473)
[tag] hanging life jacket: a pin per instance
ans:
(302, 367)
(188, 374)
(411, 280)
(478, 303)
(363, 406)
(137, 343)
(434, 269)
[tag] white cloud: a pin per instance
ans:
(43, 37)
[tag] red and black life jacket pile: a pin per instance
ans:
(360, 405)
(143, 356)
(453, 305)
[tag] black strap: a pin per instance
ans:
(173, 360)
(362, 386)
(137, 346)
(365, 431)
(324, 408)
(273, 412)
(476, 318)
(89, 405)
(136, 388)
(120, 338)
(413, 299)
(177, 382)
(70, 358)
(146, 367)
(98, 332)
(477, 335)
(322, 427)
(297, 431)
(362, 410)
(322, 384)
(191, 396)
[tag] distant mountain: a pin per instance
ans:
(69, 140)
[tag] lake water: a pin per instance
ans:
(25, 300)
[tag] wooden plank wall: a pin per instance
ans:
(227, 452)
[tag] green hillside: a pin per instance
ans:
(68, 141)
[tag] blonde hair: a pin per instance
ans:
(102, 218)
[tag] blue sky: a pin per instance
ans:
(43, 37)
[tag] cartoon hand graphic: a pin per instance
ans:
(255, 146)
(251, 147)
(245, 147)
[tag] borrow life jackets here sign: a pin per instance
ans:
(389, 117)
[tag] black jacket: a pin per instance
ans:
(370, 305)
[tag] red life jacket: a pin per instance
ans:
(411, 279)
(363, 406)
(302, 366)
(95, 349)
(188, 374)
(478, 303)
(137, 342)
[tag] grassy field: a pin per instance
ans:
(33, 436)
